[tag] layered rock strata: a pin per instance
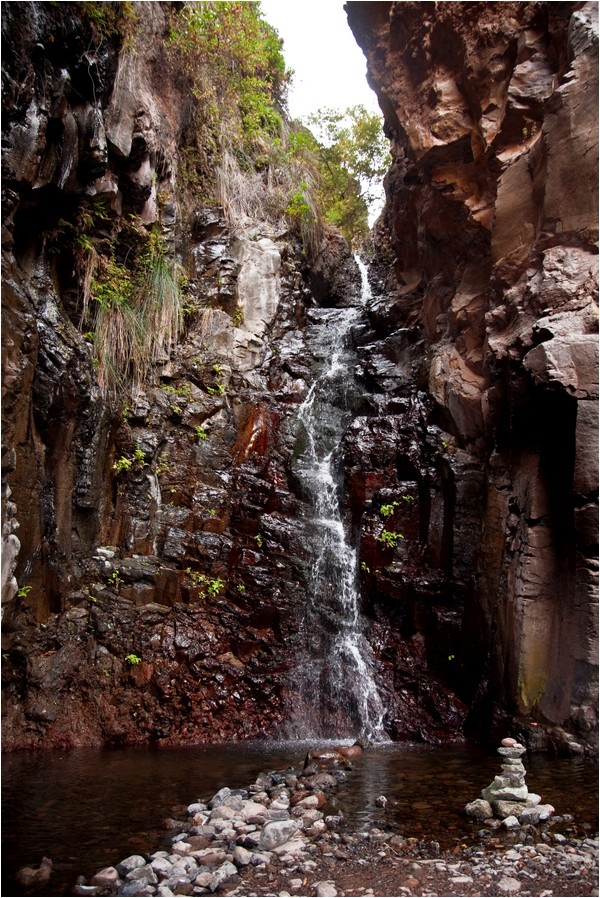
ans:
(485, 262)
(154, 568)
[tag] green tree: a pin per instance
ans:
(354, 157)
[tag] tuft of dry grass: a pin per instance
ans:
(160, 313)
(138, 318)
(250, 196)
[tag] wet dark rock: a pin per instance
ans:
(487, 365)
(174, 594)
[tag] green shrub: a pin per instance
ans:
(125, 463)
(115, 579)
(387, 510)
(389, 538)
(236, 69)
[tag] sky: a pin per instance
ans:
(319, 46)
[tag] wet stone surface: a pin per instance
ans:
(269, 840)
(507, 798)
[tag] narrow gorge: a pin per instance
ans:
(292, 496)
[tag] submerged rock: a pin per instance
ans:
(30, 877)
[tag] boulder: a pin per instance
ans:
(221, 875)
(277, 832)
(479, 809)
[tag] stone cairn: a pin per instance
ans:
(507, 799)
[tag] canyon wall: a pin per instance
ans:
(485, 265)
(155, 564)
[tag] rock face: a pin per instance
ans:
(156, 567)
(116, 561)
(486, 264)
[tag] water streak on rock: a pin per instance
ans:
(336, 677)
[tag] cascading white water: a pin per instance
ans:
(338, 696)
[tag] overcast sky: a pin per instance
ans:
(318, 45)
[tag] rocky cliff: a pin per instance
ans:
(155, 569)
(486, 279)
(156, 565)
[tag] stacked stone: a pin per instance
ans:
(507, 798)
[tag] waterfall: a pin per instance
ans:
(334, 678)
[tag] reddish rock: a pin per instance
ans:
(477, 424)
(487, 251)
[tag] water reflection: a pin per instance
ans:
(86, 809)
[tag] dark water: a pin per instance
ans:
(87, 809)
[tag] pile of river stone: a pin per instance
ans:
(275, 821)
(507, 798)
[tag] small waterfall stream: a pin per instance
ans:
(335, 678)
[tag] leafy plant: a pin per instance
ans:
(163, 464)
(389, 538)
(183, 390)
(24, 591)
(354, 156)
(259, 540)
(213, 586)
(84, 243)
(126, 462)
(201, 432)
(132, 658)
(365, 567)
(236, 68)
(139, 456)
(123, 464)
(387, 510)
(115, 579)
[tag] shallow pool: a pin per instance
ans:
(87, 809)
